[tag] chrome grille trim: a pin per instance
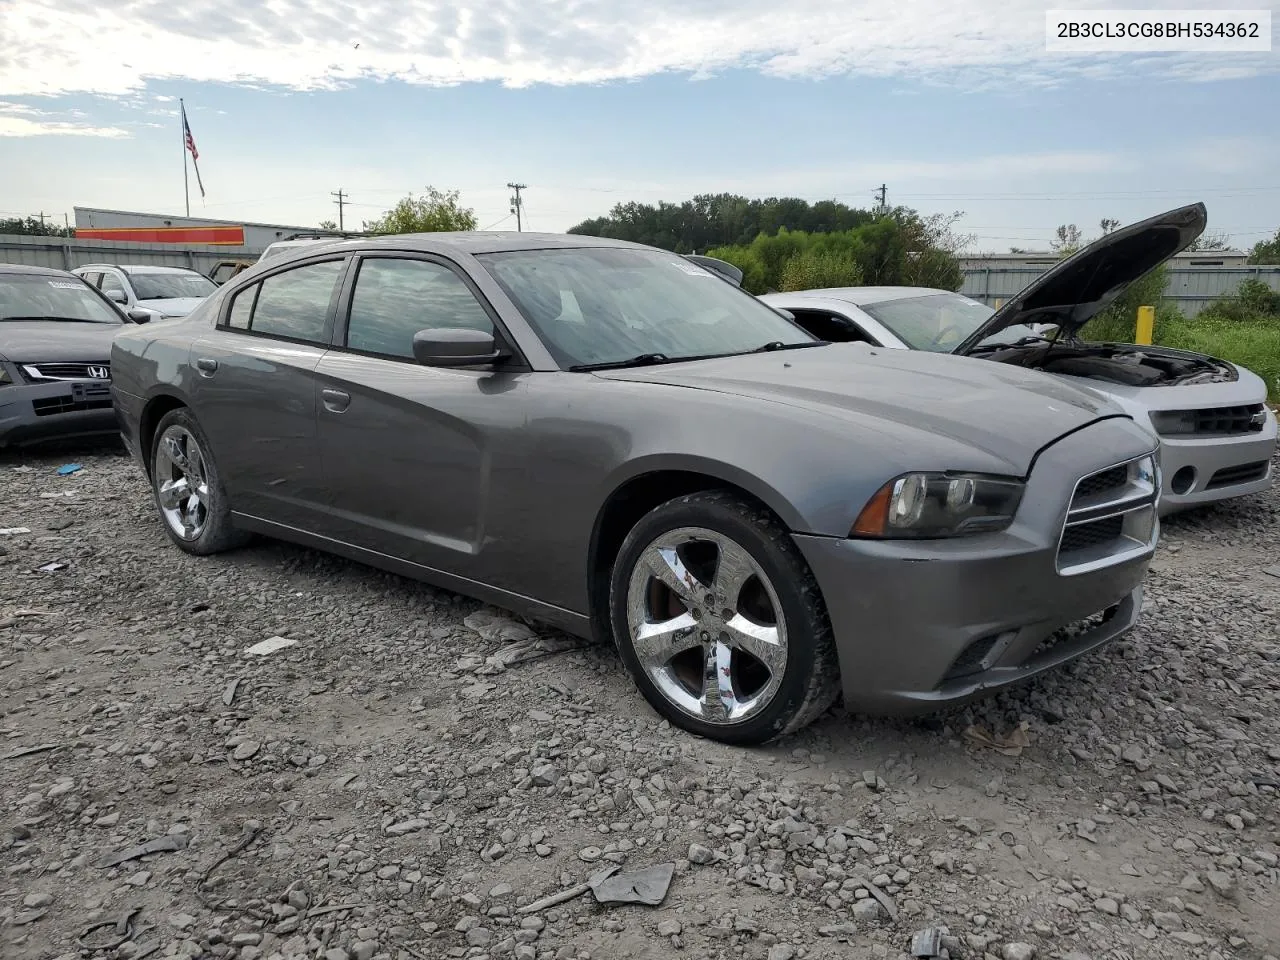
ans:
(1090, 538)
(59, 370)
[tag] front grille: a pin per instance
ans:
(1092, 534)
(1224, 421)
(83, 396)
(1103, 482)
(1112, 517)
(39, 372)
(1230, 476)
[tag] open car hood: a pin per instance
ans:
(1076, 290)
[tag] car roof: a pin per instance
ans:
(22, 268)
(862, 296)
(136, 268)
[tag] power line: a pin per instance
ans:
(517, 203)
(497, 222)
(341, 201)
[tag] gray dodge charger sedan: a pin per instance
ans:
(616, 441)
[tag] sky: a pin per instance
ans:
(953, 105)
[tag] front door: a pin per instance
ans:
(411, 453)
(255, 393)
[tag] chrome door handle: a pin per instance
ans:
(335, 401)
(206, 366)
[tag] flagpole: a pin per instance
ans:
(182, 120)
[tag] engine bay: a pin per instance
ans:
(1126, 364)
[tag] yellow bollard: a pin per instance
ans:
(1146, 325)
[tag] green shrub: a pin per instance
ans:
(1254, 344)
(1253, 301)
(812, 269)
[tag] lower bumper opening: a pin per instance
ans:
(982, 654)
(1244, 473)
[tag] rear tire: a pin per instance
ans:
(188, 489)
(720, 622)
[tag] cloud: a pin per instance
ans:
(21, 120)
(58, 47)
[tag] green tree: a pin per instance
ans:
(1067, 239)
(814, 269)
(433, 212)
(34, 227)
(1217, 240)
(328, 225)
(1266, 251)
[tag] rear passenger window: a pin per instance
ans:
(394, 299)
(242, 308)
(295, 303)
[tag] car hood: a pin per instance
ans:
(1007, 412)
(1076, 290)
(173, 306)
(38, 341)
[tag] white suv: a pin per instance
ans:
(163, 292)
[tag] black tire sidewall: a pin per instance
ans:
(784, 567)
(216, 531)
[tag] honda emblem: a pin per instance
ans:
(99, 373)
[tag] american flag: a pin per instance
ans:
(191, 146)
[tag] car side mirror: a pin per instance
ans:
(117, 296)
(139, 316)
(456, 347)
(786, 313)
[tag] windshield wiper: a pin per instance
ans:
(773, 345)
(1021, 342)
(642, 360)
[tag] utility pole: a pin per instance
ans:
(883, 196)
(517, 203)
(343, 198)
(42, 217)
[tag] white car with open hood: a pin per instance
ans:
(1218, 436)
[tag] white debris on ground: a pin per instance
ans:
(397, 784)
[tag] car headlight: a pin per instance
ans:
(930, 505)
(1174, 423)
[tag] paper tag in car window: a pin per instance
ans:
(66, 284)
(195, 279)
(692, 269)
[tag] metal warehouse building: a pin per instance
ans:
(239, 236)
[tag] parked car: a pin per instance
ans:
(55, 349)
(161, 292)
(1217, 434)
(224, 270)
(608, 438)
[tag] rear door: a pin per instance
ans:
(256, 390)
(412, 454)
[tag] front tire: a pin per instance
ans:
(187, 488)
(720, 622)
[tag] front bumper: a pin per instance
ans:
(60, 409)
(1205, 470)
(923, 624)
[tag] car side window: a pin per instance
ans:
(242, 308)
(295, 303)
(831, 326)
(395, 298)
(111, 284)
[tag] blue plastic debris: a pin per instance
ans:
(69, 469)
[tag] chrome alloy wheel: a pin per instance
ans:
(181, 483)
(706, 625)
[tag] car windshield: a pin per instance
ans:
(171, 286)
(940, 322)
(45, 297)
(606, 305)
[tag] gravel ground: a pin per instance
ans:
(390, 786)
